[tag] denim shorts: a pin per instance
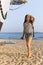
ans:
(28, 35)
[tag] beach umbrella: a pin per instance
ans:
(4, 7)
(17, 2)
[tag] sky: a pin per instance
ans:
(15, 18)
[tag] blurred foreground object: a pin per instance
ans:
(4, 7)
(17, 2)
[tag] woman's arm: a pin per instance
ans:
(23, 32)
(32, 18)
(22, 35)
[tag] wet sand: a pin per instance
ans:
(14, 52)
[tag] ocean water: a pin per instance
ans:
(10, 35)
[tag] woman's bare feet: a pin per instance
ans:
(29, 55)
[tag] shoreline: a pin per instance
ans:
(13, 40)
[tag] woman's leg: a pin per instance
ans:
(28, 41)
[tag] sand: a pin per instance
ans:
(14, 52)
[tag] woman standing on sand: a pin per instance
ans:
(28, 31)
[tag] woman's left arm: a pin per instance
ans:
(32, 18)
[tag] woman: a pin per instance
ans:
(28, 31)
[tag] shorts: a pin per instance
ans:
(28, 35)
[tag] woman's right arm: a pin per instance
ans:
(23, 32)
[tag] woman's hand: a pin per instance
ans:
(22, 37)
(32, 18)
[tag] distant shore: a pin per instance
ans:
(14, 52)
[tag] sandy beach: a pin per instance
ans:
(14, 52)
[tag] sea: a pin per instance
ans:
(17, 35)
